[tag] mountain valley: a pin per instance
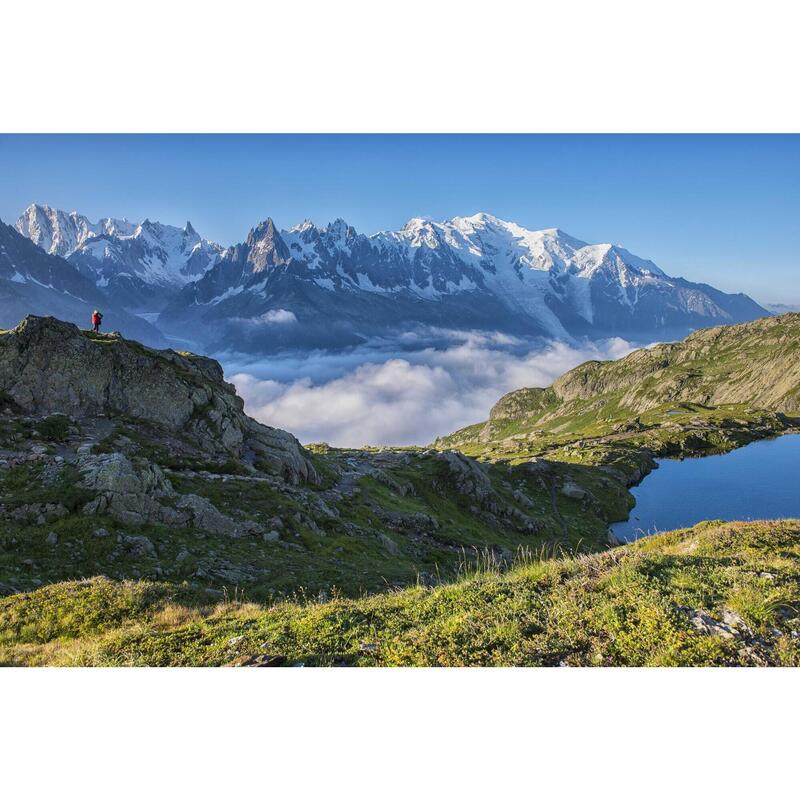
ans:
(148, 519)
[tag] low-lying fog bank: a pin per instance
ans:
(401, 392)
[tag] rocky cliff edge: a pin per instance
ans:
(49, 366)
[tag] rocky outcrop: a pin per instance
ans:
(573, 490)
(114, 473)
(204, 515)
(129, 493)
(138, 492)
(470, 478)
(48, 366)
(472, 481)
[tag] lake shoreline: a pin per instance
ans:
(643, 503)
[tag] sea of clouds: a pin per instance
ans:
(401, 392)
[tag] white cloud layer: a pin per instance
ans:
(380, 396)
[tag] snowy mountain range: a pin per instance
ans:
(331, 286)
(321, 286)
(139, 265)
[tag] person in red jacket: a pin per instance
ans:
(97, 319)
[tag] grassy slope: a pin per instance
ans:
(629, 606)
(739, 375)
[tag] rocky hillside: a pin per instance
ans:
(744, 368)
(139, 504)
(51, 367)
(120, 460)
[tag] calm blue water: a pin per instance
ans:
(759, 481)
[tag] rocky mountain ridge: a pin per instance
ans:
(336, 286)
(60, 233)
(137, 265)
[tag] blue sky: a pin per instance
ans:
(720, 209)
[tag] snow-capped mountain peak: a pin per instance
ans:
(265, 247)
(480, 220)
(480, 249)
(60, 233)
(141, 262)
(417, 223)
(305, 225)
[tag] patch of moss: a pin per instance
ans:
(54, 428)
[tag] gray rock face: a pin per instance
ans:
(469, 476)
(571, 489)
(522, 498)
(204, 515)
(136, 545)
(401, 521)
(50, 366)
(280, 450)
(133, 494)
(126, 492)
(114, 473)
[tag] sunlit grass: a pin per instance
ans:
(630, 606)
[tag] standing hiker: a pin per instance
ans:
(97, 319)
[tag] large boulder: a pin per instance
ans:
(206, 516)
(114, 473)
(129, 493)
